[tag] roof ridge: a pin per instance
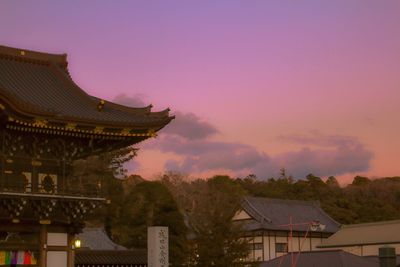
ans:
(371, 223)
(308, 202)
(145, 109)
(263, 218)
(25, 54)
(127, 251)
(327, 215)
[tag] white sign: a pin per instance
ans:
(157, 246)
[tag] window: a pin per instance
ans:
(281, 247)
(48, 183)
(258, 246)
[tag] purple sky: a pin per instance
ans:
(312, 86)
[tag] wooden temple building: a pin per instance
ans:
(46, 123)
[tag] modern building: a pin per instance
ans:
(275, 227)
(47, 122)
(365, 239)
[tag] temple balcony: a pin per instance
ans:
(48, 203)
(48, 185)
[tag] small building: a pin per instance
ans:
(95, 238)
(275, 227)
(365, 239)
(99, 250)
(334, 258)
(47, 123)
(111, 258)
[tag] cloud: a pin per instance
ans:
(187, 125)
(190, 126)
(191, 138)
(335, 155)
(350, 158)
(130, 101)
(205, 155)
(316, 138)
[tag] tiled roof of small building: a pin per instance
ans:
(322, 258)
(274, 214)
(136, 257)
(97, 239)
(99, 250)
(385, 232)
(38, 84)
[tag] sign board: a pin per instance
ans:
(157, 246)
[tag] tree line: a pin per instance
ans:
(198, 212)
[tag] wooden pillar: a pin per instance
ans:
(71, 250)
(2, 159)
(43, 245)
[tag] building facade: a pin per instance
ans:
(275, 227)
(331, 258)
(365, 239)
(47, 123)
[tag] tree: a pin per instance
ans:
(360, 181)
(149, 203)
(209, 206)
(332, 181)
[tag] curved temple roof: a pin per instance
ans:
(35, 85)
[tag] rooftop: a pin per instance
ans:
(322, 258)
(274, 214)
(35, 85)
(99, 250)
(97, 239)
(110, 258)
(385, 232)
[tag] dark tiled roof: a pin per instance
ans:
(271, 214)
(376, 259)
(112, 257)
(98, 249)
(322, 259)
(38, 84)
(97, 239)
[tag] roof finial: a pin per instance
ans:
(101, 105)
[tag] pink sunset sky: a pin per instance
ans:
(312, 86)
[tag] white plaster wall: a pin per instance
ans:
(257, 239)
(258, 255)
(272, 247)
(266, 248)
(241, 215)
(56, 259)
(295, 244)
(57, 239)
(315, 241)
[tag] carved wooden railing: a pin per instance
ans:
(79, 189)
